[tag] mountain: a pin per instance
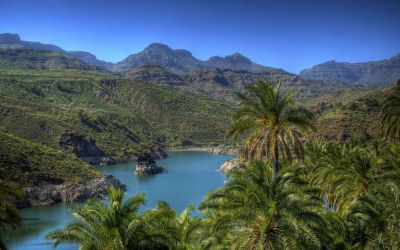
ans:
(222, 84)
(374, 73)
(88, 58)
(176, 60)
(151, 72)
(234, 62)
(13, 41)
(40, 59)
(181, 61)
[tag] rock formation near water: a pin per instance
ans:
(67, 192)
(147, 165)
(233, 165)
(224, 151)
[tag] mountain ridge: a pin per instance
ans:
(371, 73)
(13, 41)
(176, 60)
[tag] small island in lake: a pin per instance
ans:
(147, 165)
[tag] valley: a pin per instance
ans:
(64, 113)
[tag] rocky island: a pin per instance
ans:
(147, 165)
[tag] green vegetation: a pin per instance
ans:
(348, 114)
(9, 215)
(273, 121)
(341, 196)
(391, 114)
(40, 59)
(254, 211)
(120, 225)
(28, 163)
(122, 115)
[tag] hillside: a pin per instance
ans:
(27, 163)
(347, 114)
(222, 84)
(373, 74)
(121, 115)
(13, 41)
(39, 60)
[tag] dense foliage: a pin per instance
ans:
(9, 216)
(391, 114)
(341, 196)
(120, 225)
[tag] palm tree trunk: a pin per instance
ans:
(275, 167)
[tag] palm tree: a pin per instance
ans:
(117, 225)
(390, 114)
(181, 231)
(255, 212)
(9, 216)
(345, 173)
(273, 122)
(189, 229)
(376, 219)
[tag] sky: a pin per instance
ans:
(291, 34)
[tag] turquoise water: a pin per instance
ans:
(189, 176)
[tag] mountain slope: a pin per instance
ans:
(121, 115)
(234, 62)
(348, 114)
(374, 74)
(223, 83)
(13, 41)
(88, 58)
(40, 59)
(28, 163)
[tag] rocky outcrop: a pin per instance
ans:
(158, 152)
(80, 145)
(103, 160)
(222, 151)
(67, 192)
(231, 166)
(147, 165)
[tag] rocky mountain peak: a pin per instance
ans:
(237, 57)
(9, 38)
(157, 46)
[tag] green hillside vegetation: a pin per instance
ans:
(27, 163)
(121, 115)
(348, 114)
(38, 59)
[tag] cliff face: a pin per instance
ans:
(95, 188)
(80, 145)
(48, 175)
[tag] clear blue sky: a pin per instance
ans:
(287, 34)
